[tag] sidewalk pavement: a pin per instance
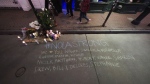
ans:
(13, 20)
(79, 59)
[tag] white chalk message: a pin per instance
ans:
(64, 56)
(74, 44)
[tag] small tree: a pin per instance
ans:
(47, 20)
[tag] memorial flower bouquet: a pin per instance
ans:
(35, 24)
(46, 20)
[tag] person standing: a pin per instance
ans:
(84, 7)
(69, 8)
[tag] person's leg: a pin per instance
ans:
(67, 6)
(141, 16)
(84, 16)
(70, 9)
(80, 18)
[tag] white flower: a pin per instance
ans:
(31, 25)
(37, 27)
(50, 25)
(36, 22)
(42, 9)
(35, 34)
(50, 6)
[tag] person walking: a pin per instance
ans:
(138, 20)
(84, 7)
(69, 8)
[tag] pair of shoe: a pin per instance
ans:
(89, 19)
(81, 22)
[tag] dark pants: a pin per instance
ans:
(83, 15)
(69, 8)
(141, 16)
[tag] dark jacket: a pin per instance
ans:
(85, 4)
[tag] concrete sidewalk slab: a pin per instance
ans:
(43, 64)
(78, 58)
(12, 20)
(123, 56)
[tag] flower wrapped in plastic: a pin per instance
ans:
(35, 24)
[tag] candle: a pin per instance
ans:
(37, 41)
(19, 37)
(45, 40)
(59, 33)
(47, 35)
(34, 34)
(24, 42)
(56, 31)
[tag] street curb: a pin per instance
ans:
(104, 31)
(18, 32)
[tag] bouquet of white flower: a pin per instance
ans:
(35, 25)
